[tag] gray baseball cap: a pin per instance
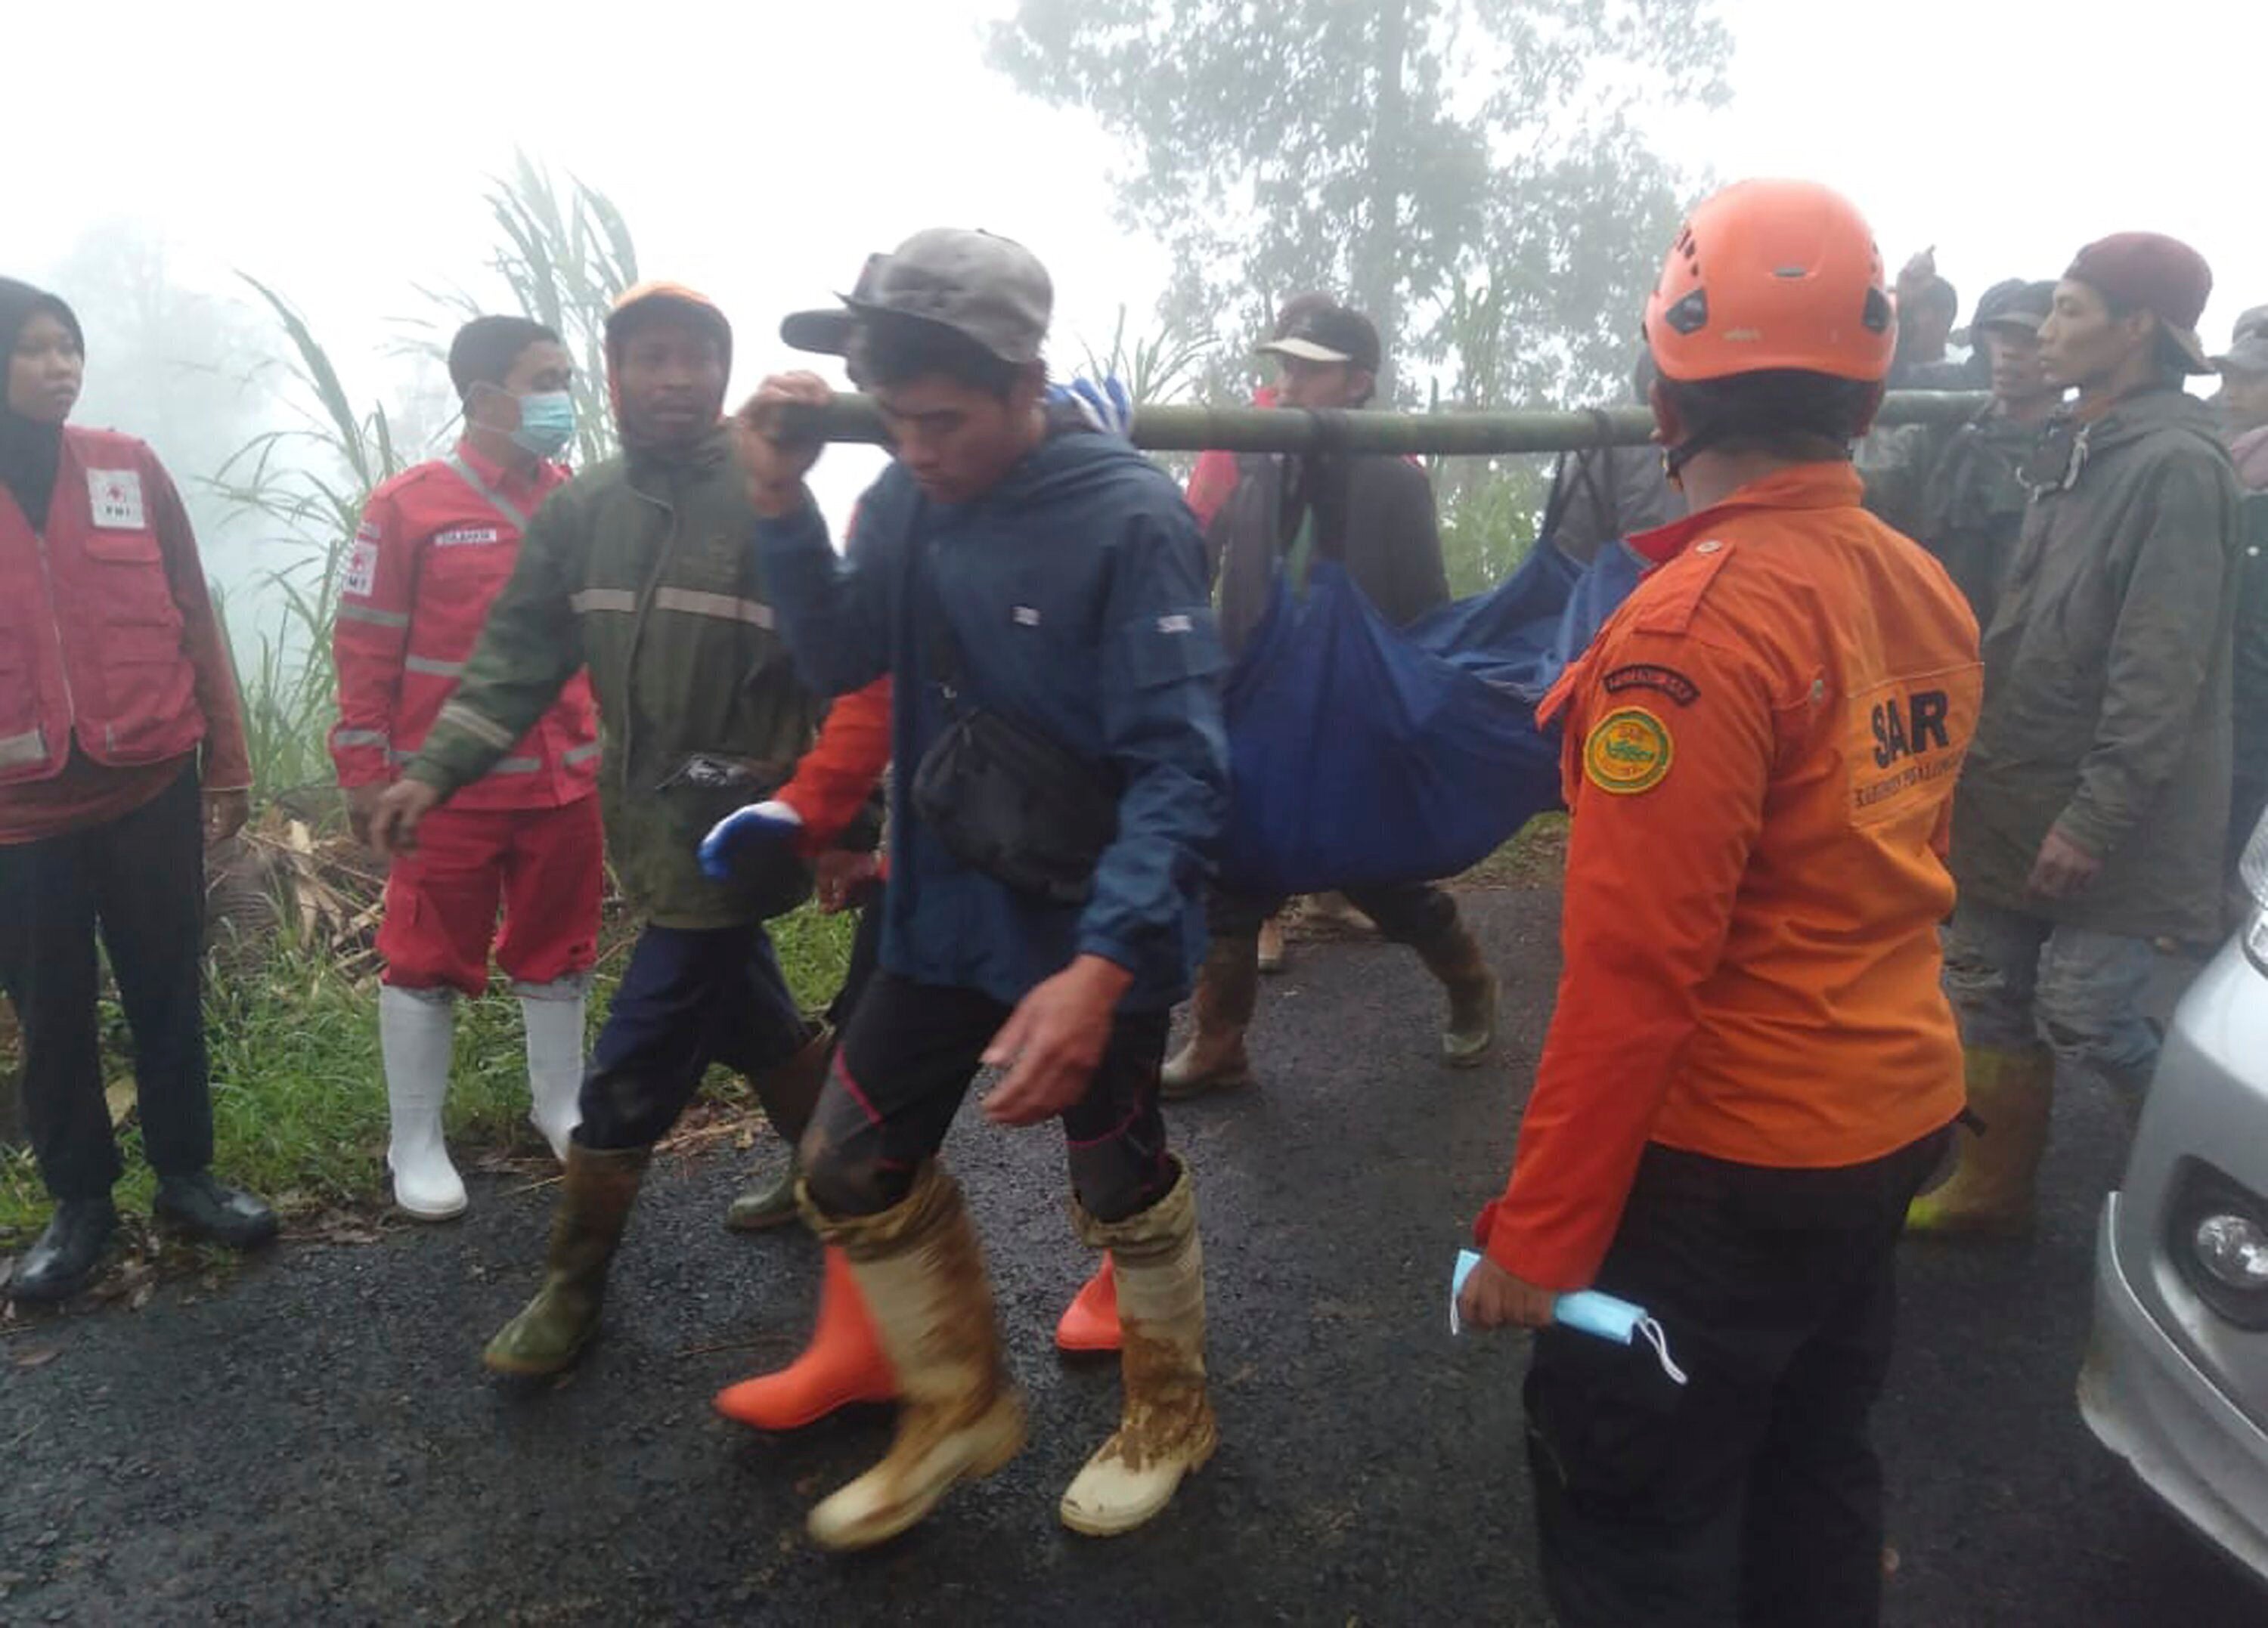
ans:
(991, 288)
(2248, 349)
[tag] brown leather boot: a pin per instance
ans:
(1989, 1194)
(1228, 989)
(1166, 1430)
(1456, 958)
(922, 1276)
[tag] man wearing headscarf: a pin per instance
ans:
(122, 753)
(640, 571)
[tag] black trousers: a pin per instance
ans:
(139, 881)
(1751, 1496)
(1407, 913)
(906, 1062)
(688, 998)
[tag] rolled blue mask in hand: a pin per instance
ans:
(756, 823)
(1587, 1311)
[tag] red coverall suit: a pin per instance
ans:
(436, 545)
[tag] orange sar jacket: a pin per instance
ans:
(1761, 747)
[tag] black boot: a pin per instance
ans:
(60, 1264)
(205, 1208)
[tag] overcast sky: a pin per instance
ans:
(761, 149)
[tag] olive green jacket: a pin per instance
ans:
(1954, 491)
(2107, 664)
(645, 570)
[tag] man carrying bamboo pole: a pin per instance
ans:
(1039, 601)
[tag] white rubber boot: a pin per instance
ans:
(416, 1033)
(554, 1016)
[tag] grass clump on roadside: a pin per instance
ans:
(299, 1096)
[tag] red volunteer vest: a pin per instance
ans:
(90, 636)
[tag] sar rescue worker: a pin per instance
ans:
(1752, 1064)
(436, 547)
(2093, 812)
(1038, 597)
(122, 755)
(640, 572)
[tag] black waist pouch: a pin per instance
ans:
(1008, 802)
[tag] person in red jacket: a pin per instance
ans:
(122, 754)
(436, 547)
(1752, 1065)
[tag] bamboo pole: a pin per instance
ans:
(1448, 434)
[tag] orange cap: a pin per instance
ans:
(1771, 274)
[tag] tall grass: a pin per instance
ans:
(308, 483)
(563, 255)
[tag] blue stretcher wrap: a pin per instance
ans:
(1361, 754)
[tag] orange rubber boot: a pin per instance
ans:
(1090, 1323)
(844, 1363)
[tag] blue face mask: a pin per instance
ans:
(547, 423)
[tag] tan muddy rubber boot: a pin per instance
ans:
(1272, 954)
(922, 1276)
(1166, 1430)
(1456, 958)
(1991, 1192)
(1227, 991)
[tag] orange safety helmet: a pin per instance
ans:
(1772, 275)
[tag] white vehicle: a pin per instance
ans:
(2176, 1375)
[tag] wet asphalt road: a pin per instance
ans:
(317, 1443)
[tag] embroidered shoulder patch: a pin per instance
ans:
(1652, 676)
(1627, 751)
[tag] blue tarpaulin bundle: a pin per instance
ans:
(1364, 754)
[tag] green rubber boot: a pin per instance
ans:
(789, 1094)
(594, 1206)
(767, 1204)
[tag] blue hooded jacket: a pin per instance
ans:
(1076, 591)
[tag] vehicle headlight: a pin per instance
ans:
(2233, 1248)
(2218, 1237)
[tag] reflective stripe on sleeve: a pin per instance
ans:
(584, 600)
(724, 607)
(461, 716)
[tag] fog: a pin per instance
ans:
(759, 151)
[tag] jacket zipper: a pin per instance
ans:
(637, 627)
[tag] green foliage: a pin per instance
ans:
(1162, 366)
(1489, 518)
(298, 1094)
(1408, 152)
